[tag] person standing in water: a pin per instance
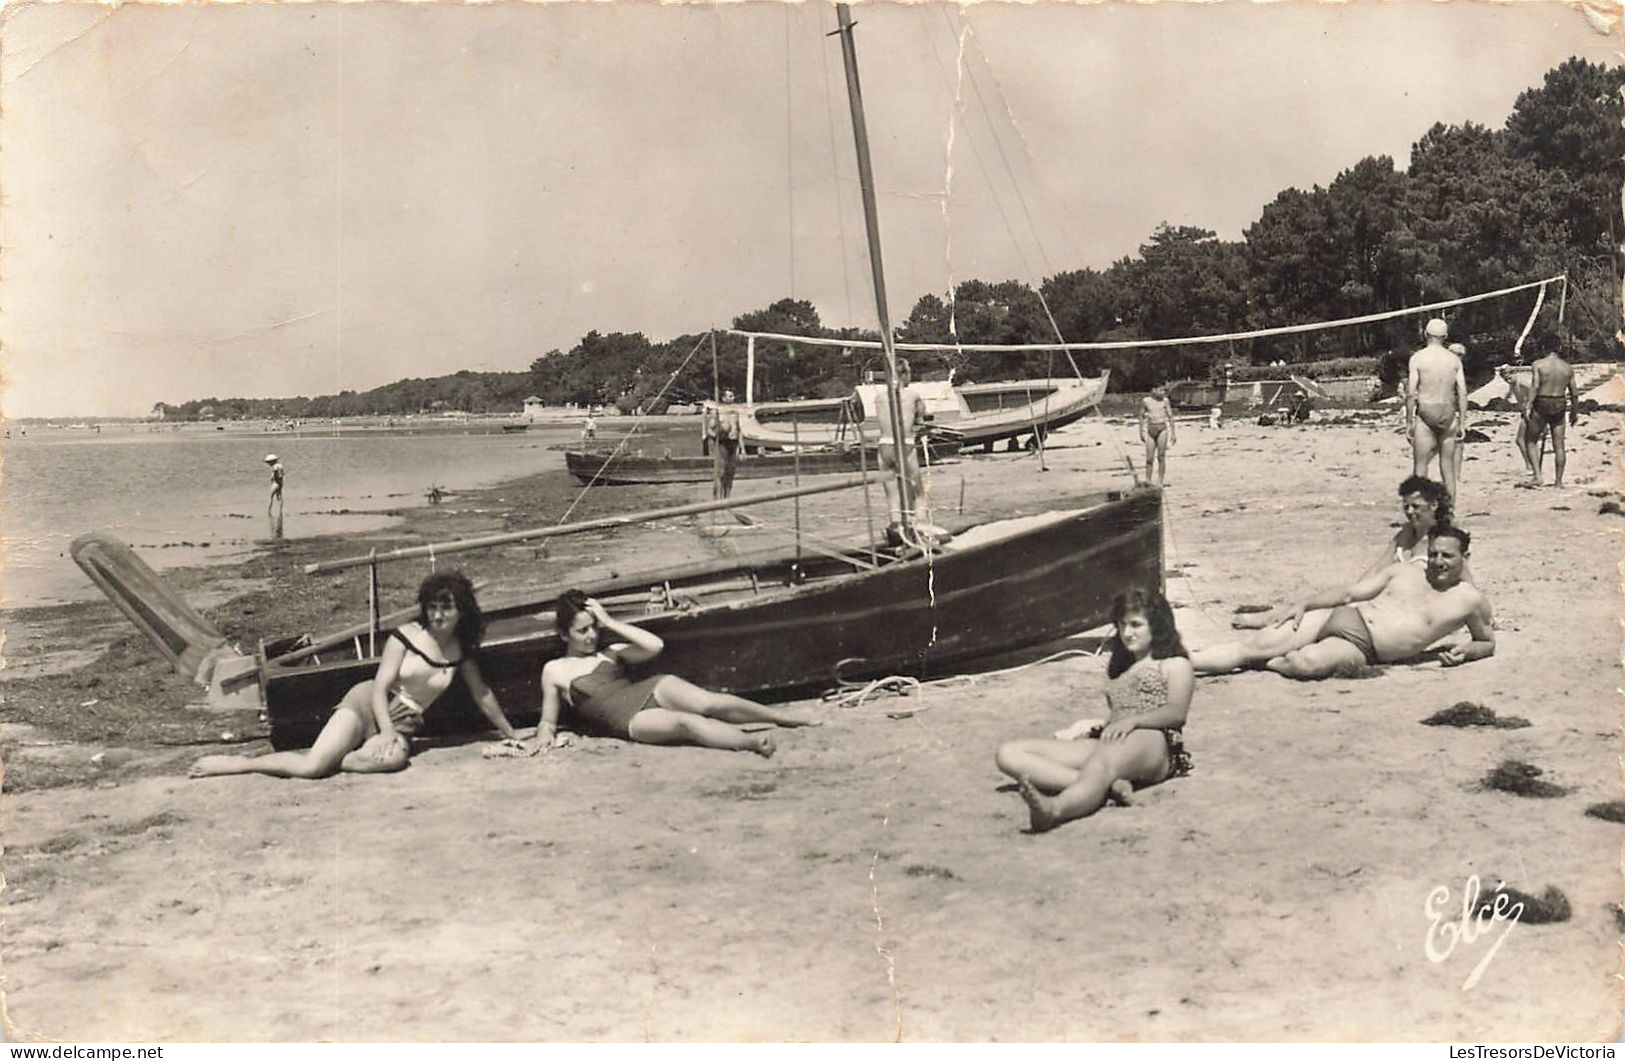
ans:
(1436, 405)
(1156, 431)
(278, 473)
(1551, 393)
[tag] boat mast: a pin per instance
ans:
(871, 219)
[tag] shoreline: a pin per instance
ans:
(885, 856)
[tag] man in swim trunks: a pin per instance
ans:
(1436, 405)
(278, 473)
(1396, 614)
(915, 415)
(1551, 393)
(1518, 395)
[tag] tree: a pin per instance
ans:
(1571, 126)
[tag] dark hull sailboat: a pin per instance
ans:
(770, 626)
(605, 469)
(765, 625)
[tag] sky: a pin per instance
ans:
(264, 200)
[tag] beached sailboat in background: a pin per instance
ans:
(974, 414)
(604, 468)
(775, 622)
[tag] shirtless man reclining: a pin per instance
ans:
(1387, 617)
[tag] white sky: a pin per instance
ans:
(270, 200)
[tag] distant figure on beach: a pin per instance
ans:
(589, 428)
(1551, 392)
(1156, 431)
(1391, 616)
(592, 683)
(1460, 350)
(1518, 396)
(370, 730)
(915, 415)
(277, 475)
(1425, 506)
(1436, 405)
(1141, 742)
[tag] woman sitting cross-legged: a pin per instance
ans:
(370, 730)
(592, 682)
(1148, 693)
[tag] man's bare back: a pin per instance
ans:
(1435, 405)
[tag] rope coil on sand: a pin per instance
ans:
(853, 694)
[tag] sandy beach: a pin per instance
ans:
(874, 880)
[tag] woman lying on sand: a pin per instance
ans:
(1148, 692)
(371, 728)
(1425, 504)
(661, 709)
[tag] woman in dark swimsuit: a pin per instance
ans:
(604, 700)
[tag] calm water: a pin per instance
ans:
(161, 490)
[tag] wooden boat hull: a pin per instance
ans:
(1000, 411)
(1035, 578)
(600, 469)
(991, 412)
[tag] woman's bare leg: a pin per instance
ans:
(341, 735)
(675, 694)
(657, 725)
(1051, 765)
(1141, 757)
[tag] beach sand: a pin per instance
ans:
(873, 882)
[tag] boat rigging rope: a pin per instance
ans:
(641, 416)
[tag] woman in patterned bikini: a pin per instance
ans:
(371, 729)
(1141, 743)
(593, 683)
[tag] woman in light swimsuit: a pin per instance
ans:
(1156, 431)
(1141, 743)
(605, 700)
(370, 730)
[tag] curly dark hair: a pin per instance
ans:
(1165, 640)
(571, 603)
(1458, 533)
(470, 620)
(1436, 495)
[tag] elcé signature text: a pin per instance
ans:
(1442, 935)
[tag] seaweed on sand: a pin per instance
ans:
(1522, 779)
(1467, 713)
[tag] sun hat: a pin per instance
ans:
(270, 458)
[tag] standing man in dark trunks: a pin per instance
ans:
(1436, 405)
(1551, 391)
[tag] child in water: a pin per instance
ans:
(1148, 693)
(1156, 431)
